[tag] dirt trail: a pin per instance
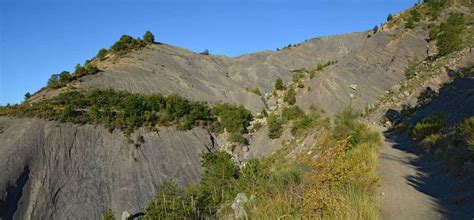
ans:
(416, 188)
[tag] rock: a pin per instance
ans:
(353, 87)
(395, 89)
(406, 93)
(352, 96)
(88, 170)
(245, 148)
(388, 124)
(239, 206)
(125, 215)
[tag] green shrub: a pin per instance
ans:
(375, 29)
(27, 96)
(389, 17)
(255, 91)
(426, 127)
(279, 84)
(109, 215)
(275, 128)
(205, 52)
(218, 182)
(170, 202)
(301, 125)
(65, 77)
(449, 37)
(101, 54)
(149, 38)
(234, 119)
(290, 96)
(126, 44)
(126, 111)
(291, 113)
(410, 72)
(467, 130)
(237, 138)
(53, 82)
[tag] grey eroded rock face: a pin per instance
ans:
(374, 68)
(80, 171)
(167, 69)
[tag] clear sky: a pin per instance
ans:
(39, 38)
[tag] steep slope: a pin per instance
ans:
(166, 69)
(79, 171)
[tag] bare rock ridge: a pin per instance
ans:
(79, 171)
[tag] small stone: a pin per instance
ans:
(395, 89)
(352, 96)
(245, 148)
(353, 87)
(406, 93)
(239, 206)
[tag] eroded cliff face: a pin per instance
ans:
(80, 171)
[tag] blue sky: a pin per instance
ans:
(39, 38)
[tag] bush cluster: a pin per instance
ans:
(449, 35)
(126, 111)
(275, 128)
(279, 84)
(290, 96)
(340, 183)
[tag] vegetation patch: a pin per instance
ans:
(127, 111)
(332, 180)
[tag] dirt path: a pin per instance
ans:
(415, 188)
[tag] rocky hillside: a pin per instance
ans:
(58, 170)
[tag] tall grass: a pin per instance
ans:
(334, 179)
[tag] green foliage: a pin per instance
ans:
(27, 96)
(347, 126)
(340, 182)
(264, 113)
(205, 52)
(88, 69)
(65, 77)
(149, 38)
(297, 76)
(389, 17)
(467, 131)
(375, 29)
(115, 109)
(275, 128)
(413, 18)
(126, 44)
(435, 7)
(53, 81)
(426, 127)
(171, 202)
(101, 54)
(291, 113)
(279, 84)
(410, 72)
(290, 96)
(255, 91)
(109, 215)
(449, 37)
(237, 138)
(234, 119)
(218, 182)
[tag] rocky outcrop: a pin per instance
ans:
(80, 171)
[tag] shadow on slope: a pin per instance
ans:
(453, 195)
